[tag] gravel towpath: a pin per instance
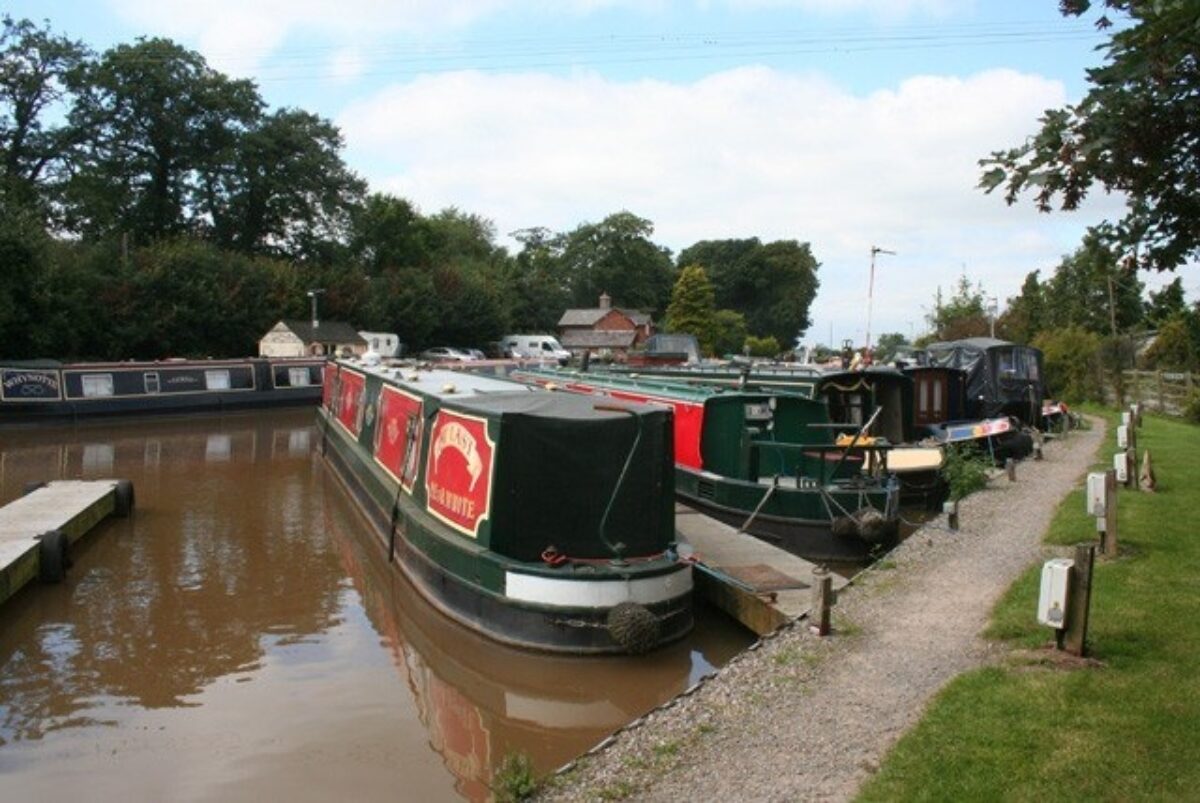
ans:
(807, 718)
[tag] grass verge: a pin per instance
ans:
(1124, 728)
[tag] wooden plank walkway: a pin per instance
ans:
(72, 507)
(760, 585)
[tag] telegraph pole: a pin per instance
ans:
(871, 294)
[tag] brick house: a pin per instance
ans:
(605, 330)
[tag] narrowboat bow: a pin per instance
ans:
(540, 520)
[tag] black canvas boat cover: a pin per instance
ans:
(573, 472)
(1002, 378)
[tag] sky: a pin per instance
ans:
(845, 124)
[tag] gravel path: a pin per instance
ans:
(805, 718)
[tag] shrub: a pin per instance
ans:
(1072, 361)
(1191, 409)
(762, 346)
(965, 471)
(514, 780)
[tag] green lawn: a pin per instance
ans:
(1125, 729)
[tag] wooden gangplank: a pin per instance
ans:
(758, 584)
(69, 507)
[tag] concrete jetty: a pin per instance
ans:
(758, 584)
(36, 529)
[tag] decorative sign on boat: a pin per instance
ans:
(398, 435)
(28, 385)
(328, 372)
(458, 479)
(349, 408)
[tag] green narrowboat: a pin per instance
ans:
(540, 520)
(763, 462)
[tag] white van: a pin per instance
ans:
(542, 347)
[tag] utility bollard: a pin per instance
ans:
(822, 601)
(1010, 466)
(1038, 439)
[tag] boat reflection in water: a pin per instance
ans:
(481, 700)
(239, 636)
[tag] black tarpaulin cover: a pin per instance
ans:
(558, 466)
(1002, 378)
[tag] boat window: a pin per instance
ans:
(937, 397)
(217, 380)
(298, 377)
(150, 378)
(95, 385)
(1007, 363)
(923, 403)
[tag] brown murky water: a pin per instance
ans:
(241, 636)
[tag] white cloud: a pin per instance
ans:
(748, 152)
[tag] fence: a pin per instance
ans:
(1164, 391)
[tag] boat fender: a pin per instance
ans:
(633, 626)
(844, 527)
(872, 525)
(52, 556)
(123, 498)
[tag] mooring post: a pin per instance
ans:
(1108, 538)
(951, 510)
(1010, 466)
(1133, 458)
(822, 601)
(1079, 604)
(1038, 440)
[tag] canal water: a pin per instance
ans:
(241, 636)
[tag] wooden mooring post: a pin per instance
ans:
(1074, 636)
(1010, 467)
(1108, 536)
(822, 601)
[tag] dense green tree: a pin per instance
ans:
(37, 69)
(772, 285)
(888, 345)
(1025, 315)
(1166, 304)
(534, 284)
(1072, 362)
(617, 256)
(160, 124)
(1137, 132)
(23, 247)
(692, 309)
(388, 232)
(963, 315)
(284, 188)
(728, 332)
(1174, 347)
(1092, 290)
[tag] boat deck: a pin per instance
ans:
(760, 585)
(72, 507)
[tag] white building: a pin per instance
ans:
(385, 344)
(311, 338)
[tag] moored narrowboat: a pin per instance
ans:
(540, 520)
(47, 390)
(764, 463)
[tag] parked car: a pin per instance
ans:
(475, 354)
(538, 347)
(445, 354)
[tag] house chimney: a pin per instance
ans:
(605, 300)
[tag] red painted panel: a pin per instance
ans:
(458, 477)
(349, 410)
(327, 375)
(398, 413)
(688, 419)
